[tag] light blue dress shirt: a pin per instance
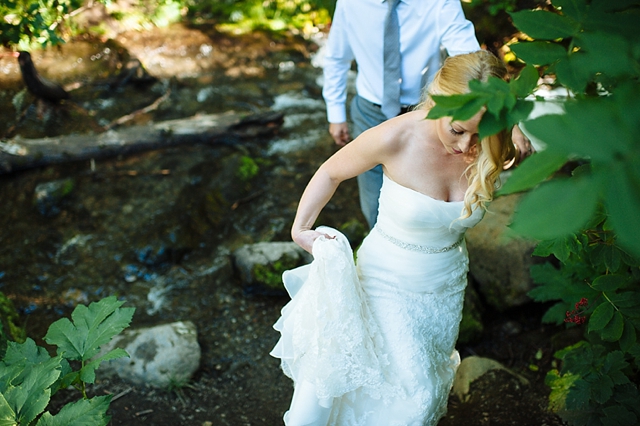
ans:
(357, 33)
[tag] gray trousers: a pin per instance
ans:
(365, 115)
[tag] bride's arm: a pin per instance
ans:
(371, 148)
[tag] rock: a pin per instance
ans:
(500, 265)
(49, 195)
(473, 367)
(160, 356)
(263, 263)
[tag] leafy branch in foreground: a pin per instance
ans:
(29, 376)
(588, 220)
(595, 285)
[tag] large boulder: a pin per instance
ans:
(498, 262)
(161, 356)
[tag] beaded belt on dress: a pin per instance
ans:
(417, 247)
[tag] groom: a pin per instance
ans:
(361, 30)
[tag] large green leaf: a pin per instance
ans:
(539, 52)
(593, 129)
(574, 72)
(91, 328)
(613, 330)
(30, 396)
(610, 282)
(601, 316)
(625, 23)
(7, 414)
(532, 171)
(85, 412)
(575, 9)
(628, 338)
(607, 53)
(544, 25)
(556, 208)
(525, 83)
(622, 199)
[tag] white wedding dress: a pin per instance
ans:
(375, 344)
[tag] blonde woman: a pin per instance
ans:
(375, 344)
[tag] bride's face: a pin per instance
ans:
(459, 137)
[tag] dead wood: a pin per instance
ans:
(230, 127)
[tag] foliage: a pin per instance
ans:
(597, 285)
(30, 376)
(494, 7)
(588, 220)
(270, 274)
(27, 23)
(273, 15)
(248, 168)
(9, 317)
(601, 122)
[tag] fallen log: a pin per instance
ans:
(231, 127)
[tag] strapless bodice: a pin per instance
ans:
(419, 219)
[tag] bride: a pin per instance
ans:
(374, 344)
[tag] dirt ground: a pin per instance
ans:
(249, 389)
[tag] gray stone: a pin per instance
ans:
(48, 196)
(263, 263)
(500, 262)
(161, 356)
(474, 367)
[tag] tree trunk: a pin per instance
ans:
(230, 127)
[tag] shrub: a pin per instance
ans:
(29, 376)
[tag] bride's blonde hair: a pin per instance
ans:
(453, 78)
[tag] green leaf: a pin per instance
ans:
(593, 128)
(573, 200)
(543, 25)
(560, 386)
(607, 53)
(526, 82)
(618, 415)
(574, 72)
(87, 373)
(622, 199)
(613, 330)
(446, 106)
(91, 328)
(490, 125)
(469, 109)
(601, 317)
(602, 389)
(555, 314)
(610, 282)
(519, 112)
(29, 393)
(579, 395)
(614, 365)
(85, 412)
(8, 416)
(532, 171)
(539, 52)
(628, 338)
(575, 9)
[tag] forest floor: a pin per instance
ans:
(251, 389)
